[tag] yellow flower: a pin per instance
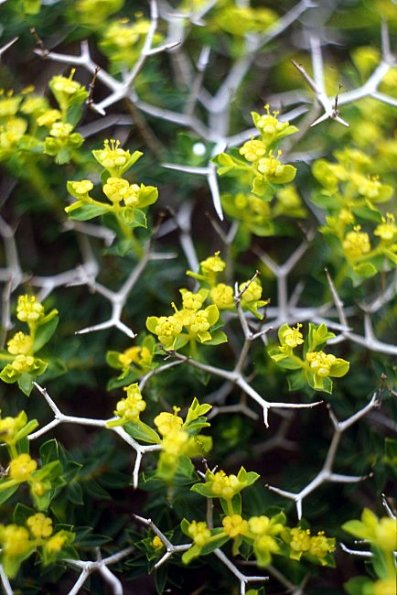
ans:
(199, 532)
(20, 344)
(49, 117)
(259, 525)
(271, 167)
(253, 150)
(193, 301)
(320, 545)
(386, 586)
(65, 85)
(168, 422)
(139, 356)
(157, 543)
(61, 130)
(22, 467)
(225, 486)
(320, 363)
(130, 408)
(10, 426)
(300, 541)
(166, 327)
(291, 337)
(269, 125)
(234, 525)
(116, 189)
(81, 187)
(112, 156)
(387, 230)
(39, 488)
(222, 296)
(174, 443)
(251, 291)
(29, 309)
(23, 363)
(356, 243)
(55, 543)
(14, 540)
(40, 525)
(213, 264)
(9, 105)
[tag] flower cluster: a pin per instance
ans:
(133, 362)
(263, 536)
(21, 363)
(261, 166)
(315, 367)
(122, 41)
(366, 237)
(125, 201)
(19, 542)
(24, 469)
(176, 437)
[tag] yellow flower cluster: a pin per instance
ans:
(22, 467)
(130, 408)
(191, 322)
(291, 337)
(40, 526)
(20, 344)
(387, 230)
(140, 356)
(112, 157)
(301, 542)
(199, 532)
(18, 542)
(269, 125)
(10, 426)
(356, 243)
(234, 525)
(321, 363)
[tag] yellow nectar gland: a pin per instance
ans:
(20, 344)
(234, 525)
(40, 525)
(320, 363)
(168, 422)
(253, 150)
(199, 532)
(222, 296)
(22, 467)
(29, 309)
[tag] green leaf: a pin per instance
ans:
(133, 217)
(25, 383)
(217, 338)
(49, 451)
(7, 493)
(87, 212)
(44, 333)
(365, 269)
(357, 585)
(143, 432)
